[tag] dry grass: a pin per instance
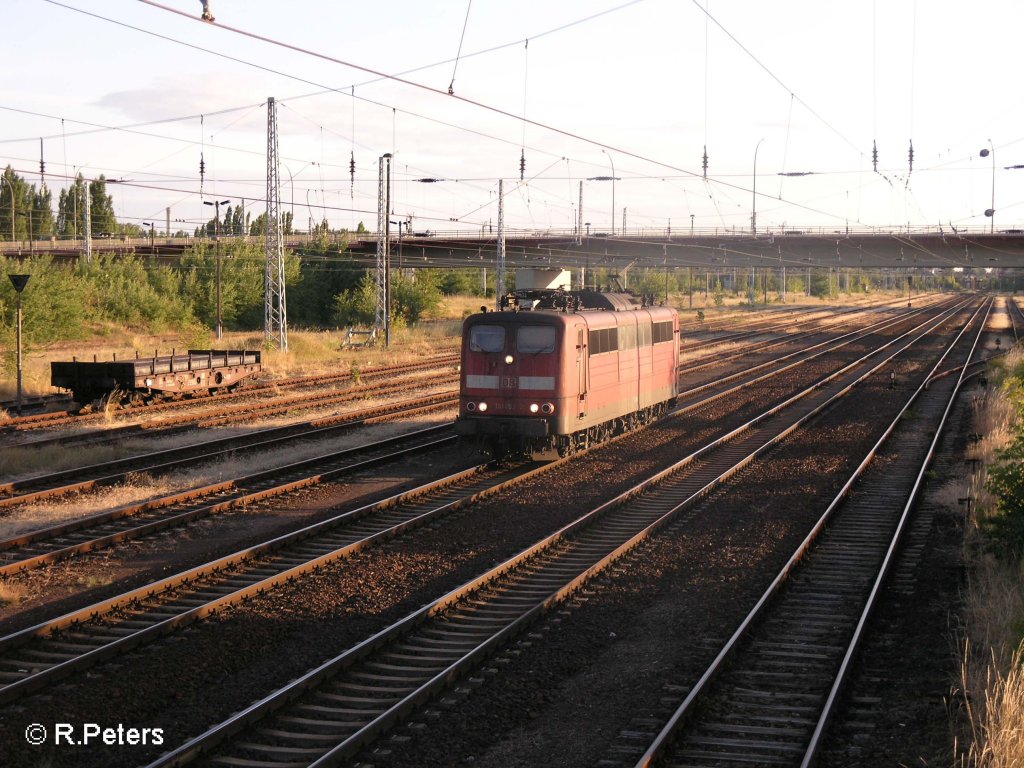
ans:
(991, 649)
(12, 593)
(143, 487)
(22, 462)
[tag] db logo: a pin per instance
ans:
(35, 734)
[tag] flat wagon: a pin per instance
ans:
(162, 377)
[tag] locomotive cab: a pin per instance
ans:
(575, 369)
(512, 365)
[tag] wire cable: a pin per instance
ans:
(451, 85)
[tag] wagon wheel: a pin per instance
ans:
(566, 446)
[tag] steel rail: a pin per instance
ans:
(405, 664)
(50, 545)
(41, 547)
(874, 597)
(823, 347)
(657, 750)
(823, 325)
(116, 470)
(42, 654)
(46, 420)
(1016, 317)
(276, 407)
(715, 360)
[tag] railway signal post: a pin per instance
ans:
(19, 282)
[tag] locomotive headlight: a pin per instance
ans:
(470, 406)
(509, 359)
(482, 407)
(534, 407)
(548, 408)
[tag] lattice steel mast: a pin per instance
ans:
(381, 319)
(275, 323)
(499, 284)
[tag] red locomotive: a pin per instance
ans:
(572, 370)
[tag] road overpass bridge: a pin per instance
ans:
(793, 249)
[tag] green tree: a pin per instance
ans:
(54, 305)
(101, 209)
(258, 226)
(413, 296)
(459, 282)
(242, 277)
(1006, 483)
(31, 209)
(43, 222)
(358, 305)
(71, 209)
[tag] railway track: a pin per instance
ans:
(43, 547)
(35, 657)
(775, 359)
(1016, 318)
(237, 414)
(55, 419)
(93, 476)
(770, 693)
(818, 325)
(40, 655)
(49, 545)
(329, 715)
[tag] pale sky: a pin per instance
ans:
(640, 86)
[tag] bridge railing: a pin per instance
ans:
(22, 247)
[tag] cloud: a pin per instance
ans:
(177, 96)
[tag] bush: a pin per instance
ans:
(1005, 528)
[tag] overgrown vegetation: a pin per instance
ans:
(992, 642)
(119, 293)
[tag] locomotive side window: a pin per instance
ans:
(643, 335)
(487, 338)
(662, 332)
(603, 340)
(627, 337)
(534, 339)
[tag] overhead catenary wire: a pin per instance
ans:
(471, 102)
(764, 67)
(352, 175)
(462, 37)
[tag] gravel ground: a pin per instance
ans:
(549, 703)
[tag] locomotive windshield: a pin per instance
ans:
(534, 339)
(487, 338)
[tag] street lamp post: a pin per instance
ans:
(400, 224)
(13, 209)
(991, 212)
(19, 282)
(152, 234)
(753, 204)
(216, 238)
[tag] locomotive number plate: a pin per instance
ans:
(510, 382)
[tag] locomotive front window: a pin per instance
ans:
(534, 339)
(487, 338)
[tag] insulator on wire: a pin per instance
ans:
(522, 164)
(874, 155)
(202, 168)
(910, 156)
(352, 167)
(704, 164)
